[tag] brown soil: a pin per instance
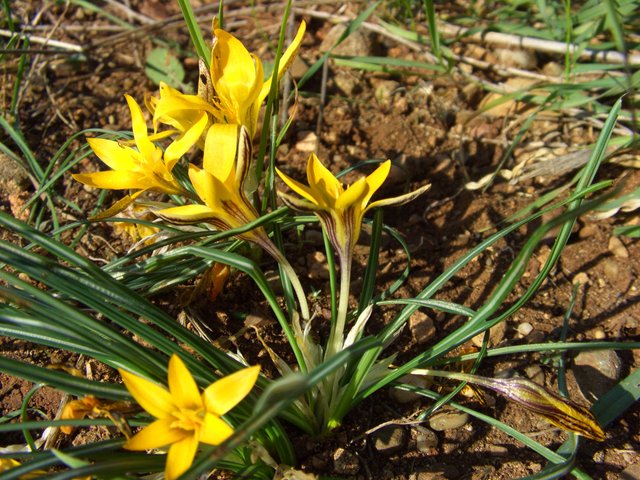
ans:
(427, 127)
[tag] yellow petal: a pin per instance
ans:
(286, 60)
(233, 69)
(214, 430)
(8, 463)
(299, 188)
(156, 435)
(179, 110)
(375, 181)
(202, 182)
(187, 214)
(354, 195)
(180, 457)
(322, 182)
(220, 150)
(226, 393)
(115, 155)
(249, 109)
(114, 180)
(182, 386)
(117, 207)
(180, 146)
(153, 398)
(139, 127)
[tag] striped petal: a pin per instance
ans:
(557, 410)
(399, 200)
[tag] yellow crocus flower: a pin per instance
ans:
(184, 416)
(220, 184)
(341, 210)
(231, 90)
(142, 169)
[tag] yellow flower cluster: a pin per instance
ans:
(221, 121)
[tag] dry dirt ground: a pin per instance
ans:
(426, 125)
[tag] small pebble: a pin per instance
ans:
(617, 248)
(403, 396)
(599, 334)
(596, 372)
(307, 142)
(587, 231)
(497, 450)
(525, 328)
(448, 421)
(389, 440)
(535, 374)
(426, 440)
(581, 279)
(516, 58)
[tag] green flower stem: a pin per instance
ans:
(336, 339)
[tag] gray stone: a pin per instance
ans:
(426, 440)
(403, 396)
(497, 450)
(389, 440)
(346, 81)
(535, 373)
(448, 420)
(617, 248)
(358, 44)
(596, 372)
(525, 328)
(524, 59)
